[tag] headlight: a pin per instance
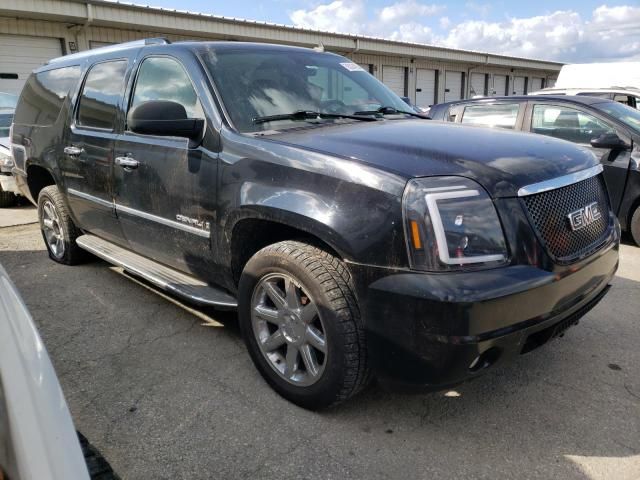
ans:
(451, 224)
(6, 160)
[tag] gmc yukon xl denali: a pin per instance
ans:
(355, 237)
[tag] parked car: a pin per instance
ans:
(354, 237)
(607, 128)
(627, 96)
(37, 437)
(8, 188)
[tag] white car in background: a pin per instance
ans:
(617, 81)
(8, 188)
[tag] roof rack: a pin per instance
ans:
(113, 48)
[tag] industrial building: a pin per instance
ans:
(33, 31)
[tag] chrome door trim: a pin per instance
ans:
(163, 221)
(91, 198)
(560, 182)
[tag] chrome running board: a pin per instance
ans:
(168, 279)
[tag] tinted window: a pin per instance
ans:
(629, 116)
(43, 95)
(567, 123)
(101, 95)
(492, 115)
(162, 78)
(597, 94)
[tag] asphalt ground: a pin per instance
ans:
(168, 392)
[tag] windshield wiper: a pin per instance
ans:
(391, 111)
(308, 115)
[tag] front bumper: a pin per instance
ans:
(8, 182)
(438, 330)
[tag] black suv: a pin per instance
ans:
(609, 128)
(353, 235)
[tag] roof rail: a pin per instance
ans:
(113, 48)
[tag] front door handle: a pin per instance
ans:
(73, 151)
(127, 163)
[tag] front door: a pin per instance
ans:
(165, 187)
(578, 126)
(87, 161)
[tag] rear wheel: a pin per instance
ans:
(635, 226)
(301, 324)
(58, 230)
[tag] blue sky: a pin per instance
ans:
(576, 30)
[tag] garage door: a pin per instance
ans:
(452, 86)
(499, 85)
(393, 77)
(425, 87)
(477, 85)
(519, 85)
(20, 54)
(536, 84)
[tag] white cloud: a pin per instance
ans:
(611, 33)
(409, 9)
(339, 16)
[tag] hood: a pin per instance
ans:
(501, 161)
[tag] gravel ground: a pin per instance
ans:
(168, 392)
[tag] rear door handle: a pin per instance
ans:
(128, 163)
(73, 151)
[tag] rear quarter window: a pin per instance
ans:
(492, 115)
(43, 95)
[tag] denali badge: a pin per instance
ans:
(585, 216)
(194, 222)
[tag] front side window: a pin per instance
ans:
(627, 115)
(162, 78)
(567, 123)
(258, 84)
(492, 115)
(101, 95)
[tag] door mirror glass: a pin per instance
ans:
(609, 141)
(164, 118)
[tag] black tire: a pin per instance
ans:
(7, 199)
(634, 226)
(327, 280)
(97, 465)
(70, 254)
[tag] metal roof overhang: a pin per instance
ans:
(105, 13)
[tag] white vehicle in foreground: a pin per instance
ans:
(37, 436)
(618, 81)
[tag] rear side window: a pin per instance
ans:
(494, 115)
(43, 95)
(103, 89)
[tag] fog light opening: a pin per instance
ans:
(485, 359)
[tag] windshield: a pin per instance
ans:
(6, 117)
(255, 84)
(8, 100)
(627, 115)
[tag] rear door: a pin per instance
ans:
(166, 202)
(87, 161)
(580, 126)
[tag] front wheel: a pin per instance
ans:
(301, 323)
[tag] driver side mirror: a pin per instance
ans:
(609, 141)
(164, 118)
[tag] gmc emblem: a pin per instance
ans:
(585, 216)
